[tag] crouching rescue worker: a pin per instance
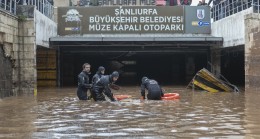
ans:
(154, 90)
(83, 82)
(102, 86)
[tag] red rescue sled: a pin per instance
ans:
(120, 97)
(170, 96)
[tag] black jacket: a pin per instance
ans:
(96, 77)
(154, 90)
(98, 74)
(102, 85)
(83, 85)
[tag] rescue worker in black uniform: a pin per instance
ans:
(102, 86)
(154, 90)
(98, 75)
(83, 82)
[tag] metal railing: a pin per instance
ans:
(229, 7)
(8, 5)
(115, 2)
(256, 6)
(44, 6)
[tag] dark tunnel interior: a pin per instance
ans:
(166, 68)
(232, 65)
(167, 63)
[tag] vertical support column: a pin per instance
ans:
(252, 52)
(216, 61)
(189, 67)
(26, 61)
(58, 67)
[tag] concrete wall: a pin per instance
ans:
(8, 39)
(252, 52)
(231, 28)
(64, 3)
(8, 46)
(18, 41)
(19, 37)
(45, 28)
(26, 63)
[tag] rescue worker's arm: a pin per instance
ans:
(162, 93)
(95, 78)
(81, 82)
(114, 86)
(143, 91)
(108, 93)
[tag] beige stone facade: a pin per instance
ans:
(18, 42)
(64, 3)
(252, 52)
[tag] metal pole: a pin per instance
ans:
(5, 4)
(43, 6)
(24, 2)
(10, 6)
(15, 2)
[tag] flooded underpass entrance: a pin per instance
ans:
(166, 62)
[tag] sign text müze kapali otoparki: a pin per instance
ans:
(96, 20)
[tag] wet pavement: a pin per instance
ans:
(57, 113)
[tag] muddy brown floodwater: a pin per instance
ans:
(57, 113)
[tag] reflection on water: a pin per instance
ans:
(57, 113)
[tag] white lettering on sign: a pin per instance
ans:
(163, 27)
(99, 28)
(127, 27)
(161, 19)
(136, 19)
(122, 11)
(111, 19)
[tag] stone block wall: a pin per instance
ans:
(26, 58)
(17, 55)
(8, 39)
(252, 52)
(5, 74)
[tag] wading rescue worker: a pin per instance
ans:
(83, 82)
(98, 75)
(102, 86)
(154, 90)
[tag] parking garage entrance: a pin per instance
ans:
(172, 61)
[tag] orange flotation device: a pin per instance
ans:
(170, 96)
(120, 97)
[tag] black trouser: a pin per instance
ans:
(154, 95)
(97, 95)
(82, 93)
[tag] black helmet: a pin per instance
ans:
(115, 74)
(101, 68)
(144, 79)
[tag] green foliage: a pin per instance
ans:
(22, 17)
